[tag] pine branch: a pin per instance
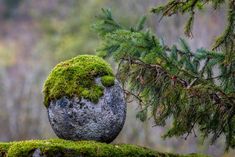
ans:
(229, 33)
(168, 82)
(226, 40)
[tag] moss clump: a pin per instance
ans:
(107, 80)
(59, 147)
(76, 77)
(4, 148)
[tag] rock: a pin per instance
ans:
(66, 148)
(81, 119)
(38, 153)
(84, 100)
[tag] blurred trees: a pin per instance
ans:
(33, 40)
(68, 35)
(7, 7)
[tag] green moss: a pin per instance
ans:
(53, 147)
(107, 81)
(4, 148)
(77, 77)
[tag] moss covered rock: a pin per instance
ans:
(64, 148)
(84, 100)
(77, 77)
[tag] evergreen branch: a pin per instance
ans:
(167, 48)
(227, 39)
(134, 95)
(189, 25)
(168, 81)
(204, 67)
(229, 31)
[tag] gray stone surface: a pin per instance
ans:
(75, 119)
(38, 153)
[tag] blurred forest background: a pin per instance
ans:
(36, 35)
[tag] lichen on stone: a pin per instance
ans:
(76, 77)
(66, 148)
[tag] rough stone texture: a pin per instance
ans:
(38, 153)
(75, 119)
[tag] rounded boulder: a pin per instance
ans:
(84, 100)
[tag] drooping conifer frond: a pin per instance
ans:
(226, 41)
(172, 82)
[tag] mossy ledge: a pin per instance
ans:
(76, 77)
(65, 148)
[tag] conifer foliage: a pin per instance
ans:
(175, 82)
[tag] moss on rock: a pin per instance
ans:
(76, 77)
(107, 80)
(4, 148)
(65, 148)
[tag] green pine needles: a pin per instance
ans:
(174, 82)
